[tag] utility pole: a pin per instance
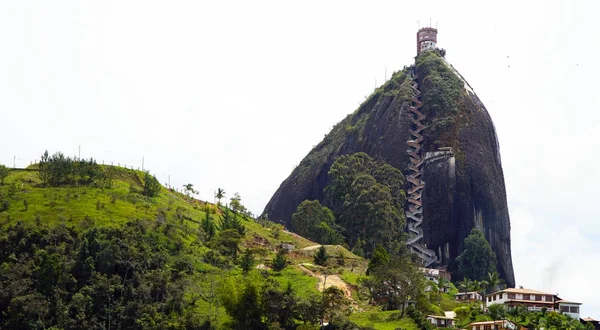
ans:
(14, 161)
(79, 155)
(142, 163)
(385, 75)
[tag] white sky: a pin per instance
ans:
(234, 94)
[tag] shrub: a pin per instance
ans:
(279, 261)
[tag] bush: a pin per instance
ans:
(4, 205)
(321, 256)
(279, 261)
(151, 186)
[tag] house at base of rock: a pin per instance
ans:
(468, 296)
(492, 325)
(446, 321)
(534, 301)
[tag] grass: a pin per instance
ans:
(383, 320)
(305, 286)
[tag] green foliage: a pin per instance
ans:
(442, 87)
(247, 261)
(4, 204)
(279, 261)
(394, 283)
(3, 173)
(220, 194)
(66, 278)
(226, 242)
(369, 201)
(497, 312)
(58, 169)
(316, 223)
(321, 256)
(419, 318)
(232, 220)
(151, 185)
(477, 259)
(380, 257)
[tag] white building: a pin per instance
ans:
(534, 301)
(489, 325)
(570, 308)
(468, 296)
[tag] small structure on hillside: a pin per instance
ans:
(446, 321)
(491, 325)
(468, 296)
(594, 323)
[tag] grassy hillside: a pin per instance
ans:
(103, 253)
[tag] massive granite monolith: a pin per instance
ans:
(462, 191)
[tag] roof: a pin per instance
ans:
(523, 291)
(589, 319)
(530, 301)
(441, 317)
(490, 322)
(450, 314)
(568, 302)
(464, 293)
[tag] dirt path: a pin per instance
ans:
(332, 280)
(310, 248)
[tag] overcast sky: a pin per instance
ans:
(233, 95)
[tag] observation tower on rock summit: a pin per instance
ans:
(426, 39)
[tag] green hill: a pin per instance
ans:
(100, 253)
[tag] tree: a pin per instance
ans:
(368, 200)
(3, 173)
(227, 242)
(220, 194)
(396, 282)
(317, 223)
(279, 261)
(497, 312)
(321, 256)
(247, 261)
(235, 203)
(493, 281)
(380, 257)
(334, 304)
(151, 186)
(189, 190)
(477, 259)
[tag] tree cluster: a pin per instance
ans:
(58, 169)
(477, 259)
(259, 302)
(317, 223)
(368, 200)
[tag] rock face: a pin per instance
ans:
(463, 190)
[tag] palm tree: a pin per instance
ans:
(494, 282)
(220, 194)
(189, 189)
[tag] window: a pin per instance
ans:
(564, 309)
(512, 296)
(574, 309)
